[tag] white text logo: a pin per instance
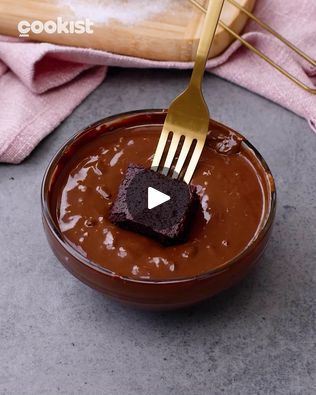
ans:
(55, 27)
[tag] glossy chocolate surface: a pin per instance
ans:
(232, 185)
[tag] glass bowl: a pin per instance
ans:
(145, 293)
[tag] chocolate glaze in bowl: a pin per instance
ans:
(236, 187)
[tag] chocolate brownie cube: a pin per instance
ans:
(167, 223)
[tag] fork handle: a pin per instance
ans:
(208, 32)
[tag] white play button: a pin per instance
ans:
(155, 198)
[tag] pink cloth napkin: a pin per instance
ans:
(41, 84)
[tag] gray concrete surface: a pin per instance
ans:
(59, 336)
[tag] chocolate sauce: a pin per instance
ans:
(231, 189)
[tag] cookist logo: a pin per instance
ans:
(59, 26)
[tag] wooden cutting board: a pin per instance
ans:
(170, 33)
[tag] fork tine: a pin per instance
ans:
(194, 160)
(171, 153)
(160, 149)
(182, 157)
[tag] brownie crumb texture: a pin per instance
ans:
(167, 223)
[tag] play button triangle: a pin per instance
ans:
(156, 198)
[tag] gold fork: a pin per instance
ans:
(188, 115)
